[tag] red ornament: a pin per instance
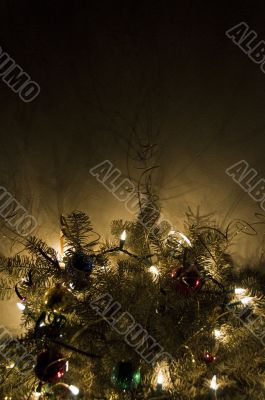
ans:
(208, 358)
(51, 366)
(186, 280)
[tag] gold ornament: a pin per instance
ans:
(58, 298)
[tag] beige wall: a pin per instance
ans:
(179, 80)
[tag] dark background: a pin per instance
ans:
(110, 69)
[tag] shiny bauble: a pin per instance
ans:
(82, 262)
(58, 298)
(186, 280)
(208, 358)
(79, 268)
(50, 366)
(125, 376)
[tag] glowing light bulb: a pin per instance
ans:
(62, 264)
(246, 300)
(74, 389)
(21, 306)
(123, 235)
(160, 378)
(154, 270)
(67, 366)
(239, 291)
(217, 333)
(159, 382)
(213, 384)
(11, 365)
(122, 239)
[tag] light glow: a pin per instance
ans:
(21, 306)
(123, 235)
(217, 333)
(246, 300)
(160, 378)
(154, 270)
(62, 264)
(74, 389)
(214, 385)
(239, 291)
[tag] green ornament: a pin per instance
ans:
(125, 376)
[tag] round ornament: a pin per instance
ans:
(51, 366)
(82, 262)
(186, 280)
(208, 358)
(58, 298)
(78, 268)
(125, 376)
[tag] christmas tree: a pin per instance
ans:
(152, 314)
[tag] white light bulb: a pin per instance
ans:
(246, 300)
(160, 378)
(217, 333)
(214, 385)
(21, 306)
(239, 291)
(62, 264)
(74, 389)
(123, 235)
(153, 269)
